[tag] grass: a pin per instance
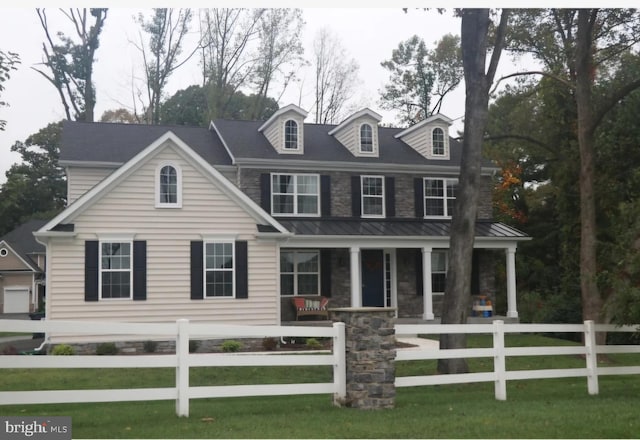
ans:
(552, 408)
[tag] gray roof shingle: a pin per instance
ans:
(23, 242)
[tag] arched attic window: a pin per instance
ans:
(291, 135)
(366, 138)
(168, 186)
(437, 145)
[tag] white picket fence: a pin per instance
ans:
(181, 331)
(498, 352)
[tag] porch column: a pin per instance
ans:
(427, 288)
(356, 287)
(512, 308)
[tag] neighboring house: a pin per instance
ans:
(226, 224)
(22, 265)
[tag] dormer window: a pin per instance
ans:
(168, 186)
(366, 138)
(437, 142)
(291, 135)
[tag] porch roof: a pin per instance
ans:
(394, 228)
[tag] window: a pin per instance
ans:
(439, 197)
(295, 194)
(372, 196)
(168, 191)
(4, 252)
(438, 271)
(219, 269)
(366, 138)
(299, 272)
(437, 146)
(115, 270)
(291, 135)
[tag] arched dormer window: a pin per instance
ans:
(366, 138)
(437, 144)
(168, 186)
(291, 135)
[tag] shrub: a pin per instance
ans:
(106, 348)
(313, 343)
(150, 346)
(269, 344)
(231, 346)
(63, 350)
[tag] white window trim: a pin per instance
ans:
(284, 136)
(373, 141)
(295, 196)
(446, 181)
(100, 269)
(445, 139)
(4, 252)
(165, 205)
(205, 270)
(295, 272)
(362, 197)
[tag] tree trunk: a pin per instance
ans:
(475, 24)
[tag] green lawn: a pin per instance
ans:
(553, 408)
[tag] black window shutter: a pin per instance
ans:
(418, 185)
(197, 270)
(139, 270)
(419, 273)
(265, 192)
(390, 196)
(356, 204)
(91, 270)
(242, 272)
(325, 196)
(325, 272)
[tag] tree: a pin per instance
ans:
(335, 77)
(71, 64)
(418, 74)
(280, 53)
(583, 49)
(36, 187)
(8, 62)
(474, 45)
(166, 29)
(121, 115)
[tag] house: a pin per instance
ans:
(225, 224)
(22, 264)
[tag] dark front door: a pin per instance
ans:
(372, 277)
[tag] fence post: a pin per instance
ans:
(182, 368)
(591, 357)
(499, 362)
(340, 362)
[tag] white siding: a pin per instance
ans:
(421, 140)
(275, 133)
(81, 179)
(129, 208)
(350, 136)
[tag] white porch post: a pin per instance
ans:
(512, 308)
(427, 288)
(356, 287)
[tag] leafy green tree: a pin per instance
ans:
(417, 75)
(36, 187)
(70, 63)
(8, 62)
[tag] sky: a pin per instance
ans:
(368, 34)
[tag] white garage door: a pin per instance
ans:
(16, 300)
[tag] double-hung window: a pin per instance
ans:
(219, 269)
(299, 272)
(372, 196)
(115, 270)
(439, 197)
(291, 135)
(295, 194)
(438, 271)
(366, 138)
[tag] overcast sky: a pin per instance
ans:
(368, 34)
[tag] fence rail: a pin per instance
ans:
(500, 375)
(181, 331)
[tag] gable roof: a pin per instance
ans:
(289, 108)
(353, 117)
(115, 143)
(22, 242)
(124, 171)
(429, 120)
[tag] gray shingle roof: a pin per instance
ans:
(23, 242)
(115, 142)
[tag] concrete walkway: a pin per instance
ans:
(419, 343)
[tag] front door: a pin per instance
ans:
(373, 278)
